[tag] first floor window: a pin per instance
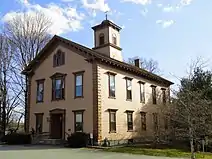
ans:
(78, 118)
(39, 122)
(130, 121)
(155, 121)
(143, 121)
(40, 90)
(165, 123)
(112, 120)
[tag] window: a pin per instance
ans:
(129, 121)
(39, 122)
(40, 90)
(143, 121)
(79, 84)
(114, 39)
(142, 92)
(164, 96)
(165, 123)
(101, 39)
(155, 121)
(129, 88)
(59, 58)
(169, 98)
(78, 121)
(111, 78)
(154, 100)
(58, 88)
(112, 120)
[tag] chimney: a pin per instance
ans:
(137, 63)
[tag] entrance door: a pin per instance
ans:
(56, 126)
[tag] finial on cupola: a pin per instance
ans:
(106, 14)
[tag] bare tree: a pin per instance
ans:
(147, 64)
(191, 110)
(10, 99)
(28, 33)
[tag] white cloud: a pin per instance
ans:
(159, 21)
(99, 5)
(67, 0)
(178, 6)
(159, 5)
(169, 9)
(143, 2)
(64, 19)
(185, 2)
(144, 12)
(165, 23)
(24, 2)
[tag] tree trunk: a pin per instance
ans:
(191, 143)
(26, 118)
(4, 100)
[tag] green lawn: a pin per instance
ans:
(158, 152)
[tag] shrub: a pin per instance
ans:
(78, 140)
(17, 139)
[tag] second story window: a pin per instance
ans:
(101, 39)
(40, 91)
(128, 88)
(58, 86)
(58, 58)
(142, 92)
(164, 96)
(154, 95)
(143, 121)
(129, 120)
(111, 82)
(79, 84)
(114, 39)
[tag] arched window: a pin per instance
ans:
(101, 39)
(59, 58)
(114, 39)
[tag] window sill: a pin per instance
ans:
(112, 132)
(57, 99)
(78, 97)
(130, 131)
(110, 97)
(143, 102)
(39, 102)
(130, 100)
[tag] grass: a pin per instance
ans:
(158, 152)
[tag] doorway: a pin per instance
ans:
(57, 124)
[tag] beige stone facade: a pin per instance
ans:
(95, 102)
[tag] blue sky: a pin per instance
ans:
(173, 32)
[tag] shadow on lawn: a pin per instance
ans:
(28, 147)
